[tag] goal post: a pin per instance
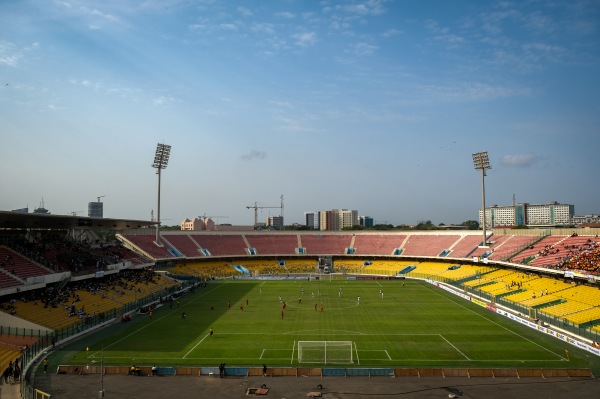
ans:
(325, 352)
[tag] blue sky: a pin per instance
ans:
(371, 105)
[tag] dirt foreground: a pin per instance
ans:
(65, 386)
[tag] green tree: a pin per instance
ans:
(471, 224)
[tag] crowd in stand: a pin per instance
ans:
(69, 298)
(58, 254)
(582, 257)
(585, 258)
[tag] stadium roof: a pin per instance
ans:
(16, 220)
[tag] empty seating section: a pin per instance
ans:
(428, 269)
(465, 246)
(377, 244)
(262, 266)
(221, 244)
(491, 277)
(184, 244)
(536, 250)
(386, 266)
(146, 244)
(301, 265)
(348, 265)
(128, 255)
(536, 290)
(205, 269)
(7, 281)
(326, 244)
(273, 244)
(428, 245)
(496, 282)
(510, 247)
(17, 265)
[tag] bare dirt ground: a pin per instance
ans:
(66, 386)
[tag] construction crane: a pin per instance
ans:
(256, 207)
(101, 196)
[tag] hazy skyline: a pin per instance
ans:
(371, 105)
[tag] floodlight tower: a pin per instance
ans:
(481, 162)
(161, 160)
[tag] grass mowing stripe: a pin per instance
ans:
(501, 326)
(450, 343)
(402, 329)
(199, 342)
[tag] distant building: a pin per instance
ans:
(586, 219)
(531, 215)
(96, 209)
(335, 219)
(365, 221)
(197, 224)
(325, 220)
(311, 220)
(207, 224)
(274, 222)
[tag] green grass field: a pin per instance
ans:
(411, 325)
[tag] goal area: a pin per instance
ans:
(325, 352)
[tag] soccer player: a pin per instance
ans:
(211, 332)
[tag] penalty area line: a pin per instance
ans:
(458, 350)
(191, 350)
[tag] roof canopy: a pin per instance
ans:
(15, 220)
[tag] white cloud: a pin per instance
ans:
(244, 11)
(163, 100)
(7, 54)
(363, 48)
(231, 27)
(305, 39)
(254, 154)
(263, 27)
(519, 160)
(391, 33)
(285, 14)
(473, 92)
(369, 7)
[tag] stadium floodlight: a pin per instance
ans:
(481, 162)
(161, 160)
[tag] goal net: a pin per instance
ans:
(325, 352)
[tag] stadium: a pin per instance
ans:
(87, 302)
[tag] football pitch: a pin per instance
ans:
(284, 323)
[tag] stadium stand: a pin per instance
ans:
(377, 244)
(465, 246)
(17, 265)
(222, 244)
(428, 245)
(273, 244)
(326, 244)
(145, 243)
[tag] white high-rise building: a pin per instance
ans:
(532, 215)
(335, 219)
